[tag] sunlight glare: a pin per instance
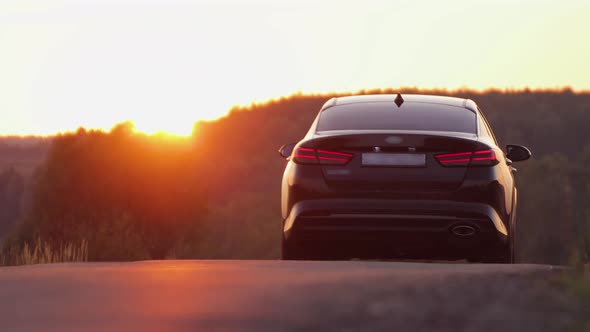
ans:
(167, 127)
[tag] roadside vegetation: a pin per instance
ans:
(43, 253)
(216, 194)
(575, 284)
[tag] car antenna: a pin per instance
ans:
(399, 100)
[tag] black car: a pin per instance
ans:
(400, 176)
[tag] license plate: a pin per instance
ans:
(394, 159)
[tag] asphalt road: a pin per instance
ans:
(282, 296)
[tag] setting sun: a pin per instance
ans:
(164, 129)
(168, 124)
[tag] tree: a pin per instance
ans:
(130, 195)
(12, 187)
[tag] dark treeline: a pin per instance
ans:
(19, 156)
(23, 153)
(217, 195)
(130, 196)
(12, 188)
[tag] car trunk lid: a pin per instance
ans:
(395, 160)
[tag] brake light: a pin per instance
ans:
(322, 157)
(469, 158)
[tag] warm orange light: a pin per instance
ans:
(170, 133)
(173, 126)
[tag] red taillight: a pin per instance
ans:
(308, 155)
(462, 159)
(323, 157)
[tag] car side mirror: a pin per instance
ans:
(286, 150)
(517, 152)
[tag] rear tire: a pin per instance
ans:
(502, 255)
(289, 252)
(506, 253)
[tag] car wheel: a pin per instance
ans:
(291, 252)
(510, 250)
(503, 254)
(500, 255)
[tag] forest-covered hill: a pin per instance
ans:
(231, 170)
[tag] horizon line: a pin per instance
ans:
(303, 94)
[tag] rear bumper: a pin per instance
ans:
(393, 224)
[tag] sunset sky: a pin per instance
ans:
(165, 64)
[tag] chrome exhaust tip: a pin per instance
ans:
(463, 230)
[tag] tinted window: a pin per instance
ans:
(387, 116)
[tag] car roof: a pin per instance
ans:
(411, 98)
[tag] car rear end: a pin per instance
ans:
(377, 180)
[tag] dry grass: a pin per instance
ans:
(575, 284)
(43, 253)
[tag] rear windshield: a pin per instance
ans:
(387, 116)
